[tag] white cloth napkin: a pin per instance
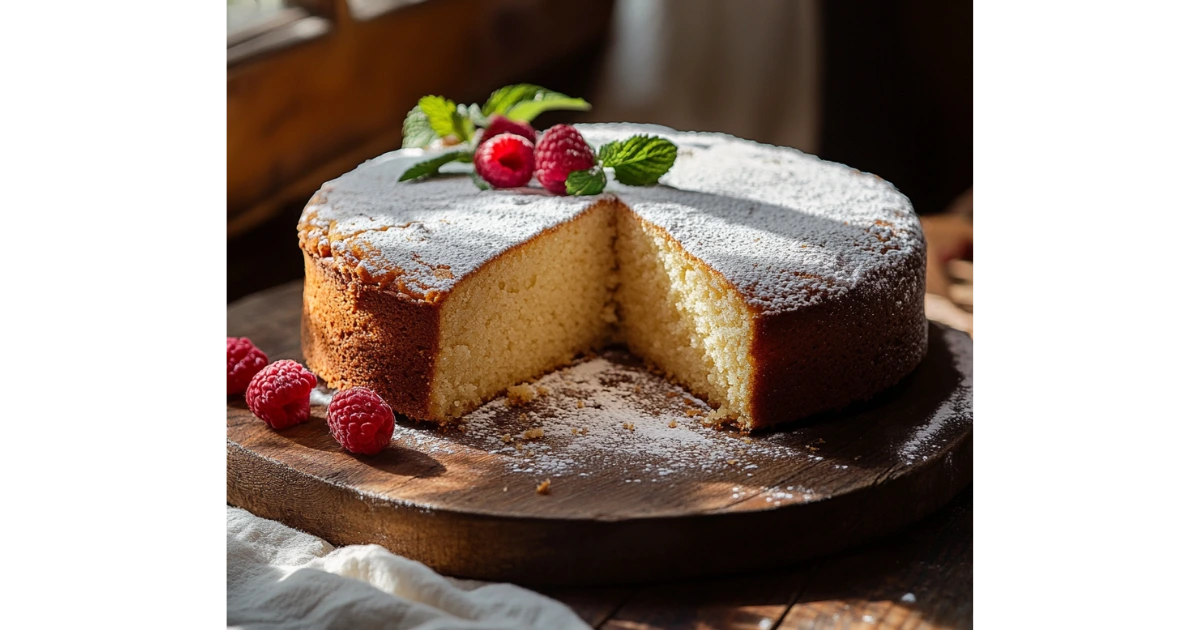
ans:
(278, 577)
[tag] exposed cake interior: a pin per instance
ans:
(605, 276)
(526, 312)
(682, 317)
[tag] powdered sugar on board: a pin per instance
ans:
(607, 422)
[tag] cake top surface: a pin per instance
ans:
(785, 228)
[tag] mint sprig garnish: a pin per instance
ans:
(589, 182)
(636, 161)
(431, 167)
(439, 117)
(447, 119)
(523, 102)
(640, 160)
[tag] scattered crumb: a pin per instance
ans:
(574, 431)
(506, 438)
(747, 440)
(521, 394)
(505, 489)
(692, 412)
(583, 431)
(522, 416)
(519, 446)
(671, 424)
(542, 390)
(544, 487)
(579, 404)
(535, 433)
(672, 394)
(689, 402)
(731, 462)
(637, 389)
(628, 426)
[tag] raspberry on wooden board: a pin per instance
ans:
(243, 360)
(279, 394)
(360, 421)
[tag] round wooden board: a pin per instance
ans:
(645, 503)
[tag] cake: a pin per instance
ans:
(768, 282)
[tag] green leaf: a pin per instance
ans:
(417, 132)
(480, 183)
(430, 167)
(589, 182)
(440, 112)
(640, 160)
(463, 127)
(545, 101)
(476, 115)
(503, 99)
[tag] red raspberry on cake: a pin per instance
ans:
(505, 161)
(279, 394)
(244, 360)
(500, 125)
(560, 152)
(360, 421)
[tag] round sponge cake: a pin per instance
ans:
(769, 282)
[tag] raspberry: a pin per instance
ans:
(244, 360)
(505, 161)
(279, 394)
(360, 421)
(500, 125)
(560, 152)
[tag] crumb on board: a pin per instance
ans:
(627, 426)
(583, 431)
(689, 402)
(506, 438)
(521, 394)
(535, 433)
(579, 404)
(544, 487)
(731, 462)
(542, 390)
(505, 489)
(574, 431)
(637, 389)
(672, 394)
(692, 412)
(747, 440)
(672, 424)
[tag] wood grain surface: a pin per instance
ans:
(463, 504)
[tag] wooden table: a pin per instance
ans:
(917, 578)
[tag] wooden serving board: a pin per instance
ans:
(644, 503)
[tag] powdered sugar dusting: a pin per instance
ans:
(786, 228)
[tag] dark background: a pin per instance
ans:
(315, 89)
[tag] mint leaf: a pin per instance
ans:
(430, 167)
(480, 183)
(417, 132)
(544, 101)
(640, 160)
(589, 182)
(463, 127)
(440, 112)
(503, 99)
(476, 115)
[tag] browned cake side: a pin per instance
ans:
(355, 334)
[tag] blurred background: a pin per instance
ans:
(315, 87)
